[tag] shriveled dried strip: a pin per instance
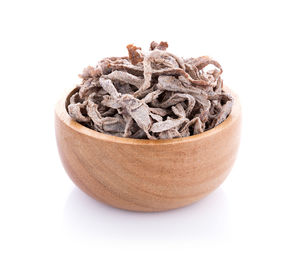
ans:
(170, 134)
(88, 87)
(185, 133)
(153, 45)
(215, 73)
(209, 78)
(179, 110)
(101, 91)
(192, 71)
(105, 64)
(147, 75)
(164, 62)
(109, 87)
(186, 83)
(75, 98)
(76, 114)
(109, 112)
(179, 60)
(201, 96)
(219, 86)
(216, 107)
(156, 117)
(128, 126)
(92, 110)
(220, 96)
(178, 71)
(135, 108)
(135, 70)
(203, 61)
(148, 69)
(152, 96)
(204, 115)
(125, 77)
(141, 116)
(145, 93)
(113, 124)
(139, 111)
(167, 58)
(160, 46)
(135, 55)
(159, 111)
(203, 101)
(198, 126)
(209, 62)
(124, 88)
(119, 60)
(111, 102)
(90, 71)
(175, 99)
(171, 83)
(167, 124)
(101, 108)
(226, 109)
(165, 96)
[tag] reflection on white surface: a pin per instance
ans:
(207, 219)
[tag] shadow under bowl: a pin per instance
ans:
(146, 175)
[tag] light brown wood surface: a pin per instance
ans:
(145, 175)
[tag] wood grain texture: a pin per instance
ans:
(145, 175)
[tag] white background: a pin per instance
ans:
(45, 44)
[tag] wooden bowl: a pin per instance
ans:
(146, 175)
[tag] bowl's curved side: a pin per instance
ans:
(147, 176)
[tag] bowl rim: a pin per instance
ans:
(62, 114)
